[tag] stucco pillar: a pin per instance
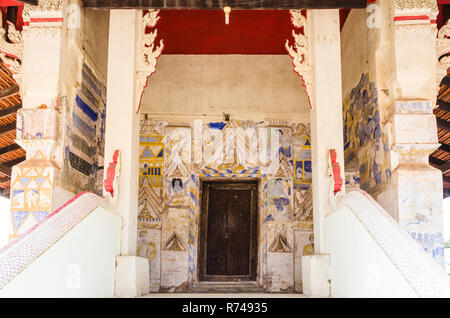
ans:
(326, 114)
(324, 54)
(32, 181)
(414, 195)
(122, 121)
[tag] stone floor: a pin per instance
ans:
(227, 295)
(225, 290)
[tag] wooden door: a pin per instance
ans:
(228, 231)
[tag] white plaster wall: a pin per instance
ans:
(280, 269)
(301, 239)
(246, 86)
(80, 264)
(175, 269)
(359, 267)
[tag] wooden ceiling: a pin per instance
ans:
(440, 158)
(10, 153)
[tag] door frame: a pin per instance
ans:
(254, 230)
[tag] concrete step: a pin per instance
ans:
(223, 295)
(226, 287)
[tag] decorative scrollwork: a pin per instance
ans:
(146, 65)
(12, 52)
(299, 51)
(443, 53)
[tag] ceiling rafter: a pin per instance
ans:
(444, 147)
(9, 91)
(7, 128)
(10, 110)
(443, 124)
(16, 161)
(443, 105)
(5, 170)
(445, 167)
(9, 148)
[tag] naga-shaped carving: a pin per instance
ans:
(443, 53)
(299, 51)
(11, 52)
(146, 64)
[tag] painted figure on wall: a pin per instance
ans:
(285, 143)
(279, 195)
(177, 186)
(365, 143)
(18, 199)
(176, 191)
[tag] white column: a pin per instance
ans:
(326, 115)
(414, 195)
(122, 121)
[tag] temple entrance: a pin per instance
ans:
(228, 246)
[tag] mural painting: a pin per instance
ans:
(365, 142)
(32, 181)
(276, 152)
(85, 136)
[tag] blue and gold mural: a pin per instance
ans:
(365, 144)
(276, 152)
(85, 136)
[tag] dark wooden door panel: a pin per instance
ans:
(217, 207)
(228, 231)
(238, 232)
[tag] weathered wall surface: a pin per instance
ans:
(174, 156)
(83, 99)
(260, 92)
(245, 86)
(95, 40)
(390, 128)
(366, 143)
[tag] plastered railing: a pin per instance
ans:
(17, 255)
(423, 275)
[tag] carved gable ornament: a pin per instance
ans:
(299, 51)
(146, 57)
(443, 53)
(12, 52)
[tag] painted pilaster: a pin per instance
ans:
(122, 121)
(32, 181)
(414, 195)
